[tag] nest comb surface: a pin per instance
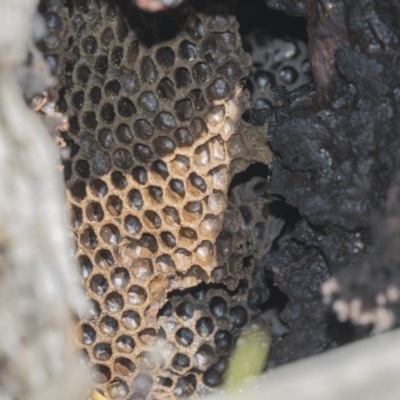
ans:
(275, 61)
(155, 137)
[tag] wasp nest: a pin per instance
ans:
(155, 137)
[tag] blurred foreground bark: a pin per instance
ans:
(37, 290)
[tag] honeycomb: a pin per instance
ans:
(276, 61)
(155, 137)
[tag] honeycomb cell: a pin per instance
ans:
(184, 110)
(212, 377)
(89, 45)
(137, 296)
(183, 137)
(88, 335)
(232, 71)
(122, 158)
(169, 239)
(264, 80)
(89, 120)
(118, 180)
(198, 99)
(194, 207)
(218, 90)
(88, 239)
(185, 310)
(166, 90)
(101, 163)
(188, 234)
(148, 102)
(120, 278)
(93, 310)
(67, 170)
(114, 206)
(130, 320)
(142, 268)
(204, 327)
(204, 357)
(165, 57)
(182, 78)
(100, 374)
(198, 127)
(101, 65)
(95, 95)
(77, 99)
(216, 116)
(223, 341)
(132, 225)
(198, 182)
(154, 221)
(202, 73)
(135, 199)
(166, 382)
(85, 266)
(140, 175)
(288, 75)
(74, 127)
(124, 367)
(148, 70)
(83, 74)
(98, 285)
(108, 326)
(218, 307)
(198, 273)
(180, 362)
(195, 28)
(149, 242)
(142, 153)
(185, 386)
(165, 121)
(126, 108)
(148, 360)
(238, 316)
(180, 165)
(184, 336)
(148, 336)
(114, 302)
(142, 383)
(107, 37)
(143, 129)
(110, 234)
(107, 113)
(166, 310)
(124, 134)
(105, 138)
(102, 352)
(76, 217)
(165, 264)
(104, 259)
(178, 187)
(117, 390)
(160, 168)
(112, 89)
(125, 344)
(163, 145)
(117, 54)
(94, 212)
(156, 194)
(187, 51)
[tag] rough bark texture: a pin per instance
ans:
(37, 292)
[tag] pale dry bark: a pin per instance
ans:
(37, 290)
